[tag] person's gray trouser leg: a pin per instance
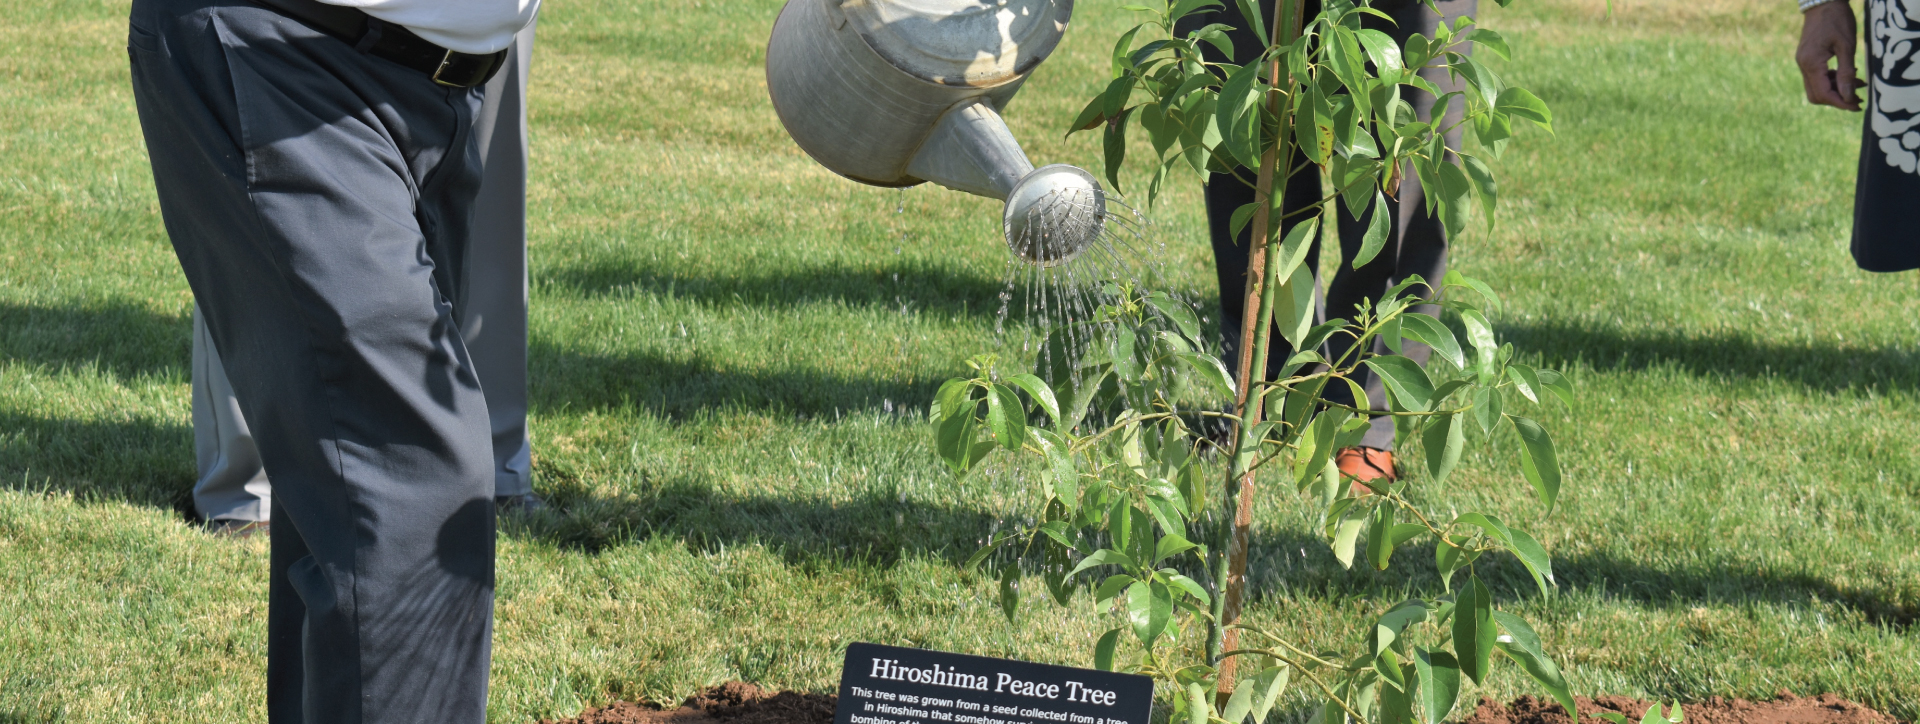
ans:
(232, 485)
(492, 306)
(318, 201)
(492, 313)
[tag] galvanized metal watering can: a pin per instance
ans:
(897, 92)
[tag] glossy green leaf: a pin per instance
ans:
(1190, 586)
(1149, 609)
(1473, 630)
(1521, 103)
(1454, 192)
(1178, 313)
(1114, 146)
(1494, 42)
(1486, 408)
(1006, 417)
(1172, 544)
(1210, 370)
(992, 545)
(1103, 650)
(1197, 707)
(1525, 381)
(1478, 75)
(1040, 391)
(1450, 558)
(1523, 646)
(1382, 51)
(1102, 557)
(1484, 184)
(1557, 383)
(1296, 245)
(1294, 305)
(1115, 585)
(1535, 558)
(1375, 237)
(1404, 379)
(1346, 535)
(1439, 684)
(1444, 438)
(1430, 332)
(1537, 460)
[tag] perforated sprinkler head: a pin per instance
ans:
(1053, 214)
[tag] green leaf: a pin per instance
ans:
(1525, 381)
(1197, 703)
(1294, 248)
(1102, 557)
(1523, 646)
(1535, 558)
(1493, 527)
(1092, 116)
(1242, 215)
(1178, 313)
(1294, 307)
(1396, 698)
(1063, 478)
(1558, 384)
(1115, 146)
(1379, 547)
(1455, 278)
(1113, 586)
(1430, 332)
(1453, 193)
(1006, 417)
(1209, 369)
(1521, 103)
(1483, 183)
(1537, 460)
(1478, 75)
(1382, 51)
(1237, 115)
(1188, 7)
(953, 439)
(1238, 705)
(1190, 586)
(1375, 238)
(1172, 544)
(1322, 432)
(1103, 651)
(1444, 438)
(992, 545)
(1121, 49)
(1492, 41)
(1486, 408)
(1480, 335)
(1040, 392)
(1450, 558)
(1270, 684)
(1346, 535)
(1149, 608)
(1403, 377)
(1439, 676)
(1473, 629)
(1250, 12)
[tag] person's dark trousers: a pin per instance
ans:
(317, 199)
(1417, 244)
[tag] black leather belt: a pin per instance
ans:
(377, 37)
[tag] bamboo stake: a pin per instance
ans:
(1257, 328)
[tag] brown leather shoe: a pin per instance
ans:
(1364, 464)
(239, 529)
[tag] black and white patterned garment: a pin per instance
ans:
(1886, 234)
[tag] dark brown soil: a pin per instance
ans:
(1785, 708)
(741, 703)
(730, 703)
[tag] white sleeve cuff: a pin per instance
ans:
(1806, 5)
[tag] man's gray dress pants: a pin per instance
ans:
(318, 200)
(492, 315)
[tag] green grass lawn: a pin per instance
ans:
(733, 350)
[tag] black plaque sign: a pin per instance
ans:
(893, 685)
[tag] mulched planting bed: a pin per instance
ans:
(1785, 708)
(742, 703)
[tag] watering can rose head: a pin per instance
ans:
(899, 92)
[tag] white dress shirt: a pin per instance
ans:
(468, 26)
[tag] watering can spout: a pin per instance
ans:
(971, 150)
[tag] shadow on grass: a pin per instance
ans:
(915, 287)
(678, 389)
(1819, 367)
(143, 462)
(123, 339)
